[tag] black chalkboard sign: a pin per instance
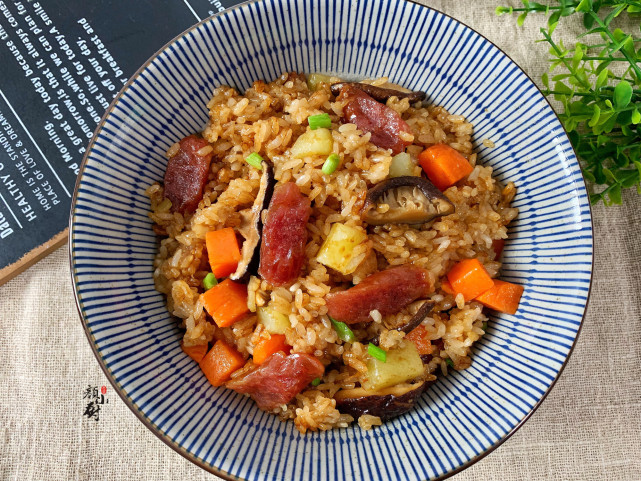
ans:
(63, 62)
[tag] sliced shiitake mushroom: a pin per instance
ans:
(414, 321)
(385, 403)
(405, 200)
(417, 318)
(251, 225)
(380, 93)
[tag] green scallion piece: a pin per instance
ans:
(376, 352)
(320, 121)
(345, 334)
(316, 381)
(331, 164)
(255, 160)
(484, 326)
(449, 362)
(209, 281)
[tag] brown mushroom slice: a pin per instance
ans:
(414, 322)
(417, 318)
(405, 200)
(251, 225)
(385, 403)
(381, 94)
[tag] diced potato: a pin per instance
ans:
(402, 164)
(275, 322)
(313, 142)
(403, 364)
(315, 79)
(337, 251)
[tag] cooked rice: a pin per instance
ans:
(268, 119)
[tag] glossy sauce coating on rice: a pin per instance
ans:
(268, 119)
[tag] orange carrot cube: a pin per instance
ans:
(266, 347)
(226, 302)
(444, 166)
(195, 352)
(223, 251)
(469, 278)
(220, 362)
(502, 297)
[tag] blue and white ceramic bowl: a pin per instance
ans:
(460, 418)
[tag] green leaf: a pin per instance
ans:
(634, 9)
(562, 88)
(625, 123)
(625, 118)
(595, 116)
(636, 116)
(613, 14)
(602, 66)
(615, 195)
(618, 34)
(608, 102)
(609, 125)
(589, 175)
(630, 180)
(503, 10)
(545, 80)
(602, 79)
(521, 19)
(553, 20)
(628, 46)
(598, 173)
(588, 21)
(622, 94)
(609, 175)
(584, 6)
(637, 164)
(578, 55)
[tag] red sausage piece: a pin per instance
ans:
(282, 249)
(384, 123)
(387, 291)
(279, 379)
(186, 175)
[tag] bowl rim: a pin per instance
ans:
(120, 390)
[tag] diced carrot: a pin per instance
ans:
(502, 297)
(195, 352)
(497, 247)
(447, 287)
(266, 347)
(421, 340)
(220, 362)
(223, 251)
(443, 165)
(226, 302)
(469, 278)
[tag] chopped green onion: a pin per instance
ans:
(320, 121)
(449, 362)
(376, 352)
(255, 160)
(345, 334)
(316, 381)
(331, 164)
(484, 326)
(209, 281)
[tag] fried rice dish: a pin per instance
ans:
(330, 248)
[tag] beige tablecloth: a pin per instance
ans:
(589, 428)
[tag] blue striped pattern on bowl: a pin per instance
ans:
(550, 248)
